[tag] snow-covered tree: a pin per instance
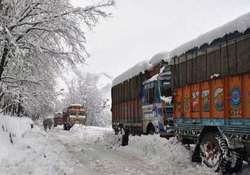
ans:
(83, 90)
(36, 38)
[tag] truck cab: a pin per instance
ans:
(157, 103)
(74, 114)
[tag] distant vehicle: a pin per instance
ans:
(75, 113)
(47, 123)
(58, 119)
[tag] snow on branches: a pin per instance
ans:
(37, 37)
(83, 90)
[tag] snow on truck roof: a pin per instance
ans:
(131, 72)
(240, 24)
(140, 67)
(159, 57)
(75, 105)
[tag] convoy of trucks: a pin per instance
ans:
(73, 114)
(199, 92)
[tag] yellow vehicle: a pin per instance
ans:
(75, 113)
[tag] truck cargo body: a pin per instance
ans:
(212, 99)
(127, 105)
(222, 102)
(214, 93)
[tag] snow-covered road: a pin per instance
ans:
(93, 151)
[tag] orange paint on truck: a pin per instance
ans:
(227, 97)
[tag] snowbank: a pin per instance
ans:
(88, 150)
(14, 127)
(90, 134)
(4, 145)
(168, 155)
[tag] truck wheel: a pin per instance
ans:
(236, 160)
(211, 151)
(215, 154)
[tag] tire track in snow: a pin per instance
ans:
(102, 160)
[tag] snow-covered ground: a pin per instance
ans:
(11, 129)
(92, 151)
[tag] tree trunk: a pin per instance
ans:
(3, 60)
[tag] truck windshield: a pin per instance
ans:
(165, 82)
(82, 113)
(58, 115)
(72, 113)
(149, 93)
(165, 88)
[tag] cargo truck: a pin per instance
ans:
(157, 108)
(74, 114)
(138, 105)
(211, 94)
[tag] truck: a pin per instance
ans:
(208, 97)
(137, 103)
(58, 119)
(211, 96)
(157, 108)
(74, 114)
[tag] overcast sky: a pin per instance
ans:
(140, 29)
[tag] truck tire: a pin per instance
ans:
(215, 154)
(213, 151)
(236, 161)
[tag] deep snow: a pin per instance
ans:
(88, 150)
(11, 128)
